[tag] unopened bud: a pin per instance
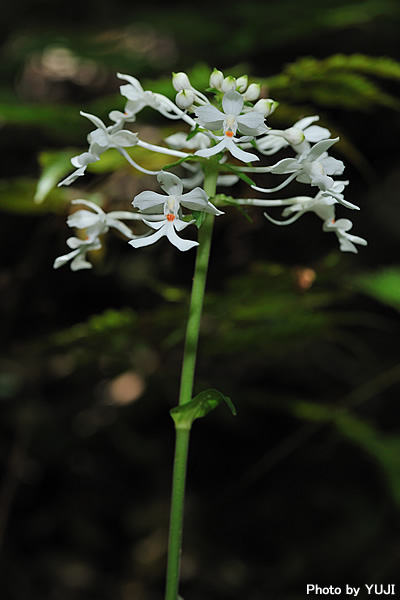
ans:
(252, 92)
(216, 79)
(266, 106)
(228, 84)
(241, 83)
(294, 136)
(180, 81)
(185, 99)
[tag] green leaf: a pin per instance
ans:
(193, 133)
(240, 174)
(339, 80)
(385, 449)
(199, 407)
(55, 166)
(199, 216)
(181, 160)
(16, 196)
(382, 285)
(232, 202)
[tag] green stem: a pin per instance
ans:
(186, 390)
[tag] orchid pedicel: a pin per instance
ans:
(223, 136)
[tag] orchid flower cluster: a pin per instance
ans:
(227, 126)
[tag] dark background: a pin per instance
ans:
(303, 486)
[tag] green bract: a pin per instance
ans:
(199, 407)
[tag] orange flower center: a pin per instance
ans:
(170, 217)
(229, 133)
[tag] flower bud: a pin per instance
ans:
(294, 136)
(185, 99)
(216, 79)
(265, 106)
(180, 81)
(228, 84)
(242, 83)
(252, 92)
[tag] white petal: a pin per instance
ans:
(252, 123)
(346, 245)
(181, 244)
(80, 262)
(62, 260)
(181, 225)
(213, 150)
(197, 199)
(332, 166)
(149, 200)
(74, 242)
(320, 148)
(170, 183)
(239, 153)
(324, 211)
(117, 116)
(210, 117)
(149, 239)
(232, 103)
(357, 240)
(73, 177)
(286, 165)
(89, 204)
(119, 226)
(343, 224)
(98, 137)
(95, 120)
(306, 122)
(82, 219)
(125, 138)
(156, 224)
(133, 83)
(315, 133)
(84, 159)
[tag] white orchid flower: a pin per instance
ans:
(230, 121)
(165, 212)
(302, 131)
(103, 138)
(196, 199)
(100, 140)
(324, 208)
(319, 203)
(78, 255)
(313, 167)
(97, 222)
(346, 240)
(80, 162)
(138, 98)
(323, 204)
(197, 142)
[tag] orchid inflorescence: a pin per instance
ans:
(231, 124)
